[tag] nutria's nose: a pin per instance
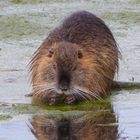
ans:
(64, 82)
(63, 85)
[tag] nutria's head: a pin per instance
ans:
(65, 61)
(72, 70)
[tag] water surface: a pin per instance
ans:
(23, 26)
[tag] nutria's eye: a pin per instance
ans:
(80, 55)
(50, 52)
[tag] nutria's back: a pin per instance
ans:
(79, 59)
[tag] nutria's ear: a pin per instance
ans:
(50, 52)
(80, 54)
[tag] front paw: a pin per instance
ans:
(55, 99)
(70, 99)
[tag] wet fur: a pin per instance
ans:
(91, 75)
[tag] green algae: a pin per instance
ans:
(40, 108)
(17, 27)
(82, 106)
(35, 1)
(4, 117)
(135, 2)
(122, 17)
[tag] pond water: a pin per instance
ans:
(23, 26)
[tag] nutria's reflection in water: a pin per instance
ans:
(92, 125)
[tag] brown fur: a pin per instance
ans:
(82, 51)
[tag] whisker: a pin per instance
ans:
(89, 94)
(81, 95)
(74, 95)
(86, 94)
(44, 85)
(96, 95)
(77, 97)
(41, 91)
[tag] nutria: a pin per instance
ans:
(78, 59)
